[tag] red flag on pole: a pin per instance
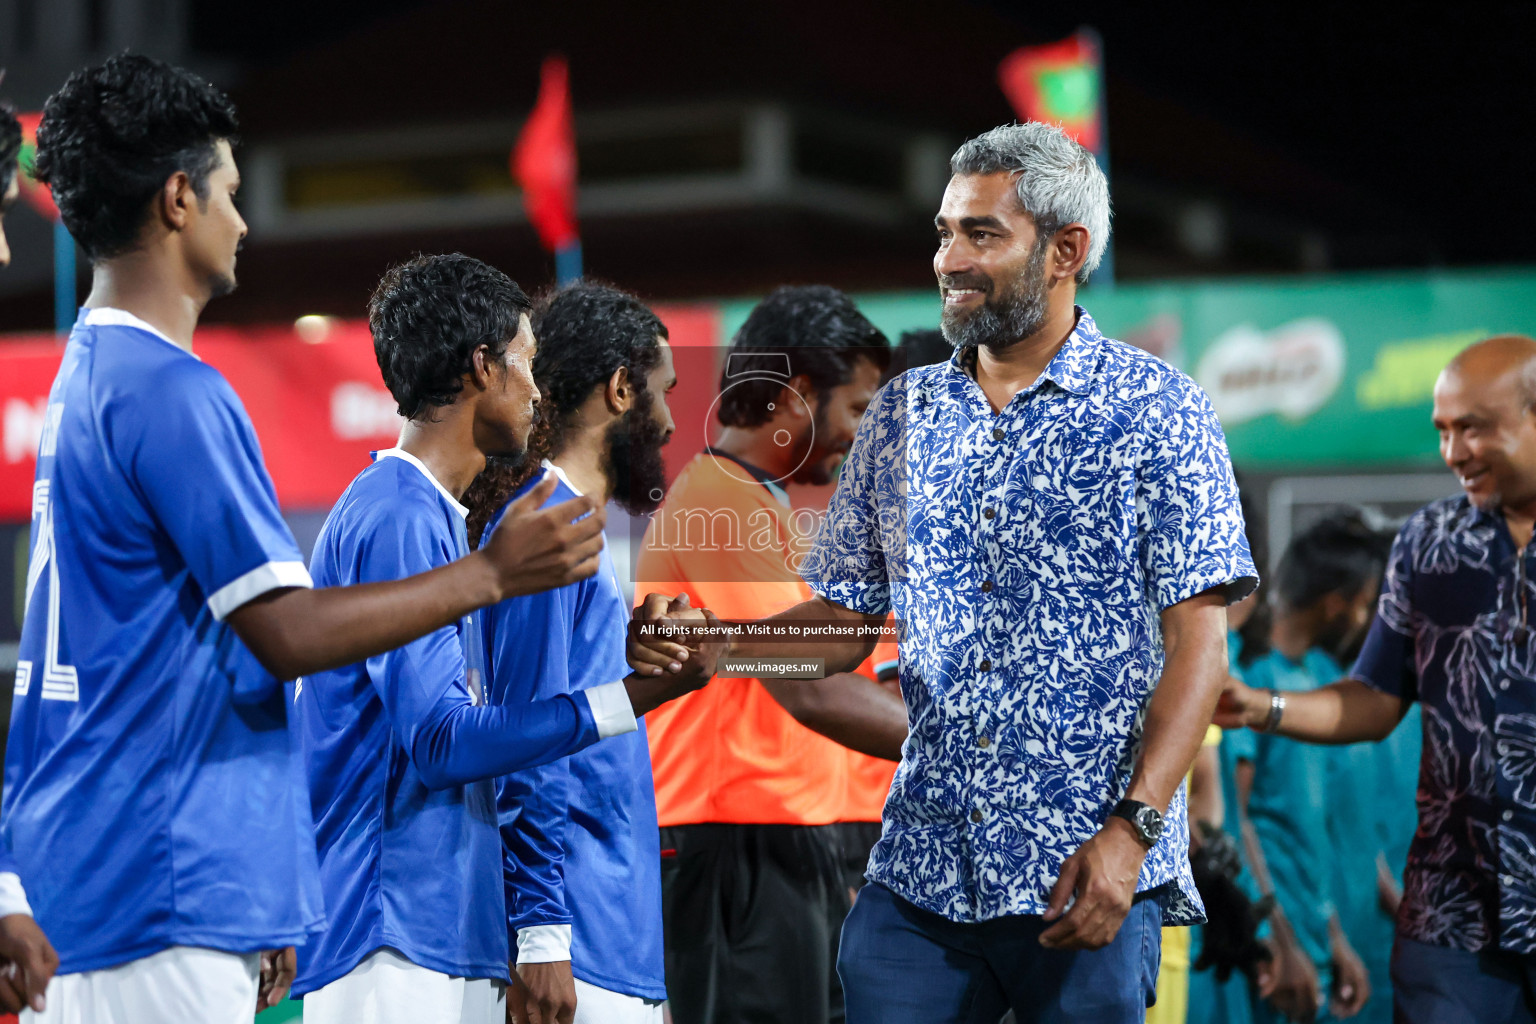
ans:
(1059, 83)
(37, 195)
(544, 160)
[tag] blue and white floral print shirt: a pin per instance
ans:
(1027, 555)
(1454, 633)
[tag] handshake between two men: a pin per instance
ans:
(668, 637)
(674, 649)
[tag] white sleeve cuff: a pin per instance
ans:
(13, 898)
(611, 709)
(271, 576)
(544, 944)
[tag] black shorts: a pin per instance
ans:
(855, 840)
(752, 915)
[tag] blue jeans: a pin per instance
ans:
(899, 963)
(1438, 985)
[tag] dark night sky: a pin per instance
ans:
(1402, 140)
(1413, 122)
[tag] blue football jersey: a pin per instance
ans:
(152, 797)
(402, 752)
(580, 835)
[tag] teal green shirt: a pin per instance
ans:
(1291, 804)
(1236, 745)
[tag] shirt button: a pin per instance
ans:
(986, 587)
(986, 665)
(985, 741)
(988, 513)
(1503, 684)
(976, 816)
(998, 433)
(1503, 879)
(1507, 815)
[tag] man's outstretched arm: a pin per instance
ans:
(1347, 711)
(655, 655)
(847, 708)
(298, 631)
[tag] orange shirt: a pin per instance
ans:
(730, 753)
(869, 778)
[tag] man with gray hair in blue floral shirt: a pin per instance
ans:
(1051, 516)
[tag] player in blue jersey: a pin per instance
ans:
(27, 959)
(403, 749)
(153, 800)
(583, 868)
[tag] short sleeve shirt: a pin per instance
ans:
(1453, 632)
(1028, 555)
(152, 795)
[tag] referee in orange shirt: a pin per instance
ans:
(752, 775)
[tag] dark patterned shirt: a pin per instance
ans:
(1453, 633)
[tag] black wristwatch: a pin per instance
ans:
(1144, 818)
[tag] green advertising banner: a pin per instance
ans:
(1313, 373)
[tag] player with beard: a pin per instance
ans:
(403, 749)
(152, 799)
(583, 879)
(751, 774)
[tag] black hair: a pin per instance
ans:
(114, 133)
(429, 315)
(587, 331)
(919, 348)
(10, 145)
(1341, 553)
(819, 330)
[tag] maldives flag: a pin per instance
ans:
(544, 160)
(39, 196)
(1059, 83)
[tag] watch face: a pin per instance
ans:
(1150, 823)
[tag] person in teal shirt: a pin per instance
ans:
(1374, 788)
(1231, 1002)
(1305, 801)
(1212, 1001)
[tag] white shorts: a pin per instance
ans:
(180, 985)
(599, 1006)
(386, 988)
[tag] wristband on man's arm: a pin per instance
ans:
(1276, 709)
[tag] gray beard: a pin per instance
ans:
(1002, 322)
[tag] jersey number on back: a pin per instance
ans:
(59, 681)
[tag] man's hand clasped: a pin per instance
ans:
(1241, 706)
(676, 645)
